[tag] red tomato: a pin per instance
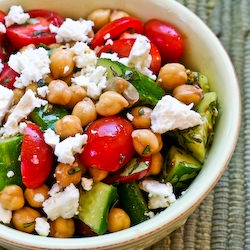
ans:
(115, 28)
(123, 47)
(36, 33)
(51, 16)
(2, 15)
(36, 157)
(8, 76)
(166, 38)
(109, 145)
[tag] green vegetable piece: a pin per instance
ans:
(149, 91)
(132, 201)
(180, 168)
(46, 116)
(94, 206)
(199, 79)
(10, 172)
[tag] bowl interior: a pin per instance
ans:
(203, 53)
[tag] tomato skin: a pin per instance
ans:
(115, 29)
(22, 35)
(51, 16)
(2, 16)
(109, 145)
(123, 47)
(8, 76)
(36, 157)
(166, 38)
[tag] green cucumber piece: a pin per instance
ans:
(133, 202)
(149, 91)
(10, 149)
(199, 79)
(46, 116)
(94, 206)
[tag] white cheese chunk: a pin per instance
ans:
(10, 174)
(25, 106)
(169, 114)
(51, 138)
(111, 56)
(160, 195)
(6, 100)
(16, 15)
(56, 188)
(31, 64)
(72, 30)
(66, 149)
(5, 215)
(87, 183)
(2, 28)
(42, 227)
(62, 204)
(93, 81)
(43, 91)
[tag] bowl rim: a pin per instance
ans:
(155, 224)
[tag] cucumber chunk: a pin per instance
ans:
(10, 171)
(94, 206)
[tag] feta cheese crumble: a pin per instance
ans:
(160, 195)
(72, 30)
(43, 91)
(6, 100)
(62, 204)
(169, 114)
(16, 15)
(42, 227)
(5, 215)
(31, 64)
(66, 149)
(10, 174)
(2, 28)
(51, 138)
(87, 183)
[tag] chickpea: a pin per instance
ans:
(67, 174)
(97, 174)
(59, 92)
(30, 46)
(100, 17)
(172, 75)
(36, 196)
(85, 110)
(156, 164)
(48, 78)
(18, 93)
(142, 117)
(116, 14)
(32, 86)
(118, 220)
(117, 84)
(78, 93)
(188, 94)
(62, 228)
(24, 219)
(54, 45)
(69, 125)
(111, 103)
(146, 142)
(62, 63)
(11, 197)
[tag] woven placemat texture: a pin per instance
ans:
(222, 221)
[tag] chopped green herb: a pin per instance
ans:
(25, 225)
(7, 80)
(74, 170)
(41, 83)
(141, 111)
(32, 21)
(42, 45)
(37, 33)
(146, 150)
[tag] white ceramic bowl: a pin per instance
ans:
(203, 53)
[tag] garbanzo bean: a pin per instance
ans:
(188, 93)
(78, 93)
(141, 116)
(111, 103)
(69, 125)
(172, 75)
(100, 17)
(66, 174)
(32, 86)
(36, 196)
(48, 78)
(97, 175)
(18, 93)
(118, 220)
(30, 46)
(11, 197)
(62, 228)
(59, 92)
(156, 164)
(85, 110)
(146, 142)
(24, 219)
(62, 63)
(116, 14)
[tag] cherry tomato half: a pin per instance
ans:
(115, 28)
(2, 16)
(166, 38)
(36, 33)
(8, 76)
(123, 47)
(36, 157)
(51, 16)
(109, 145)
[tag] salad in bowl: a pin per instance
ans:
(102, 125)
